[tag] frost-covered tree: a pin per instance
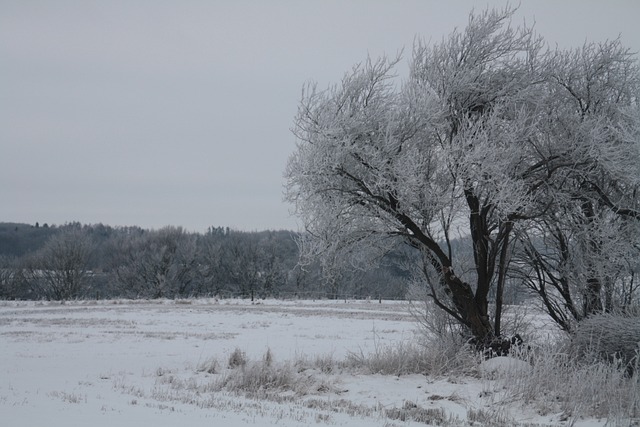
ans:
(60, 269)
(582, 248)
(156, 264)
(239, 259)
(9, 280)
(475, 144)
(247, 263)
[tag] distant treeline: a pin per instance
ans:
(99, 261)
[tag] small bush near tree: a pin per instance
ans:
(609, 337)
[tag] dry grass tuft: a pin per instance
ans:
(558, 382)
(237, 359)
(210, 366)
(412, 412)
(266, 378)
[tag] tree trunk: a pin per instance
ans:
(592, 302)
(473, 315)
(502, 277)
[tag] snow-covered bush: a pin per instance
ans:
(554, 381)
(610, 337)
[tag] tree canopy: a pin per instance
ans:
(494, 137)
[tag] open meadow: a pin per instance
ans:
(235, 363)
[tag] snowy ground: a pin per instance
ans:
(129, 363)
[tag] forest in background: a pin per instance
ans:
(74, 260)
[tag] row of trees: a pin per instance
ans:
(76, 261)
(529, 155)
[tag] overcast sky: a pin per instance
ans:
(157, 113)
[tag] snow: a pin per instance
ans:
(131, 363)
(504, 366)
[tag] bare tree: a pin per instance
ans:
(471, 145)
(247, 263)
(59, 271)
(209, 262)
(157, 264)
(240, 263)
(8, 278)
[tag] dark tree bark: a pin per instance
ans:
(592, 302)
(472, 312)
(502, 274)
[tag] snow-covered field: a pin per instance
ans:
(132, 363)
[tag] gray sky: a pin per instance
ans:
(156, 113)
